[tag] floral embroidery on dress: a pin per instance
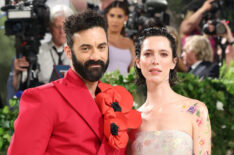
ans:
(168, 142)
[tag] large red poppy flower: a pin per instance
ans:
(116, 103)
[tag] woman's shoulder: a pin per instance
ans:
(194, 106)
(128, 41)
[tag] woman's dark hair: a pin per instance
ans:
(149, 32)
(118, 4)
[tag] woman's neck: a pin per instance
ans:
(159, 93)
(113, 33)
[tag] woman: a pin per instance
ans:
(121, 48)
(171, 124)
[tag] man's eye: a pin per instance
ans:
(84, 49)
(102, 47)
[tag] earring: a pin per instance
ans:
(125, 23)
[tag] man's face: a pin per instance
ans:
(188, 57)
(90, 53)
(58, 34)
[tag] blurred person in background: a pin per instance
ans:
(121, 48)
(50, 53)
(197, 56)
(228, 42)
(180, 65)
(191, 24)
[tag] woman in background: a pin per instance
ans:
(121, 48)
(171, 124)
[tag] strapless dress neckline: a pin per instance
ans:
(162, 142)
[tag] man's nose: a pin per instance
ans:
(94, 54)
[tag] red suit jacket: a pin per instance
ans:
(59, 118)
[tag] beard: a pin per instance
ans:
(87, 73)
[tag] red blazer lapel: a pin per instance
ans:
(73, 89)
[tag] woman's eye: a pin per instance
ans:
(120, 16)
(147, 54)
(111, 15)
(164, 54)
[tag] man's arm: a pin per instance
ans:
(191, 23)
(34, 125)
(20, 65)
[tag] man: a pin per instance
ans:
(197, 56)
(62, 117)
(50, 53)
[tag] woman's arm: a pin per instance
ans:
(201, 129)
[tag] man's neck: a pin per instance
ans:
(92, 86)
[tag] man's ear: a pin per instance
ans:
(174, 60)
(68, 51)
(138, 63)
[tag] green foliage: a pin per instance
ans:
(220, 102)
(7, 118)
(116, 78)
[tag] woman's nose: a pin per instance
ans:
(155, 59)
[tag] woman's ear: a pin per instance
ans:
(68, 51)
(138, 63)
(174, 62)
(126, 18)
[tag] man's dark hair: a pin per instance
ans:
(149, 32)
(83, 21)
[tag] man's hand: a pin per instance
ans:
(206, 5)
(228, 34)
(20, 64)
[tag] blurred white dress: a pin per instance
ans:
(167, 142)
(119, 59)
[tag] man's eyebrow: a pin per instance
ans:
(85, 45)
(101, 44)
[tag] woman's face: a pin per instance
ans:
(156, 59)
(116, 18)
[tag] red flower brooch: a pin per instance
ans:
(115, 103)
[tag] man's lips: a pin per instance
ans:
(94, 65)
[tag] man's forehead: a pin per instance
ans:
(92, 36)
(91, 30)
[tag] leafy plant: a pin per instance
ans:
(7, 118)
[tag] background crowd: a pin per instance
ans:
(204, 37)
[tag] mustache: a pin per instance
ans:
(92, 62)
